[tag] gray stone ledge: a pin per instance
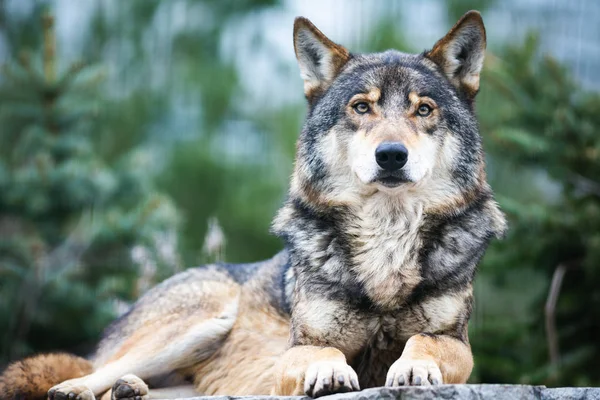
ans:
(446, 392)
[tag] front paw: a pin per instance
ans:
(327, 377)
(414, 373)
(70, 391)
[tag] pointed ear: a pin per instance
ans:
(460, 53)
(320, 59)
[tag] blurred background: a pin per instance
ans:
(141, 137)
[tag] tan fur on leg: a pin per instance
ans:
(302, 362)
(426, 357)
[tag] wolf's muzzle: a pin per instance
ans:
(391, 156)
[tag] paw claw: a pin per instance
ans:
(389, 381)
(326, 377)
(414, 372)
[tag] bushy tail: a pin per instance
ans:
(31, 378)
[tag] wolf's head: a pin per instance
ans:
(389, 122)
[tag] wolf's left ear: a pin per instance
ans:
(460, 53)
(320, 59)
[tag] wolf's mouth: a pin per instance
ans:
(391, 181)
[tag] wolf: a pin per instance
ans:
(388, 214)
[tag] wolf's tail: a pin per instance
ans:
(31, 378)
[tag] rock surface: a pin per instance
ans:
(446, 392)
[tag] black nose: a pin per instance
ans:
(391, 156)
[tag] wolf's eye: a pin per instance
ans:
(424, 110)
(361, 108)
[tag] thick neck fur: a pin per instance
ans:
(368, 248)
(385, 242)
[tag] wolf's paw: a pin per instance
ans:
(70, 391)
(129, 387)
(414, 373)
(327, 377)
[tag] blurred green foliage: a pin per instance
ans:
(124, 170)
(69, 220)
(545, 127)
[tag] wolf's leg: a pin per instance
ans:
(315, 371)
(432, 359)
(157, 349)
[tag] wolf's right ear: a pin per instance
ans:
(320, 59)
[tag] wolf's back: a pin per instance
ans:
(31, 378)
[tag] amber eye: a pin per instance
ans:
(361, 108)
(424, 110)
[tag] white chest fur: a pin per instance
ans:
(386, 235)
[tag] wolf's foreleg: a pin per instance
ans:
(315, 371)
(432, 359)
